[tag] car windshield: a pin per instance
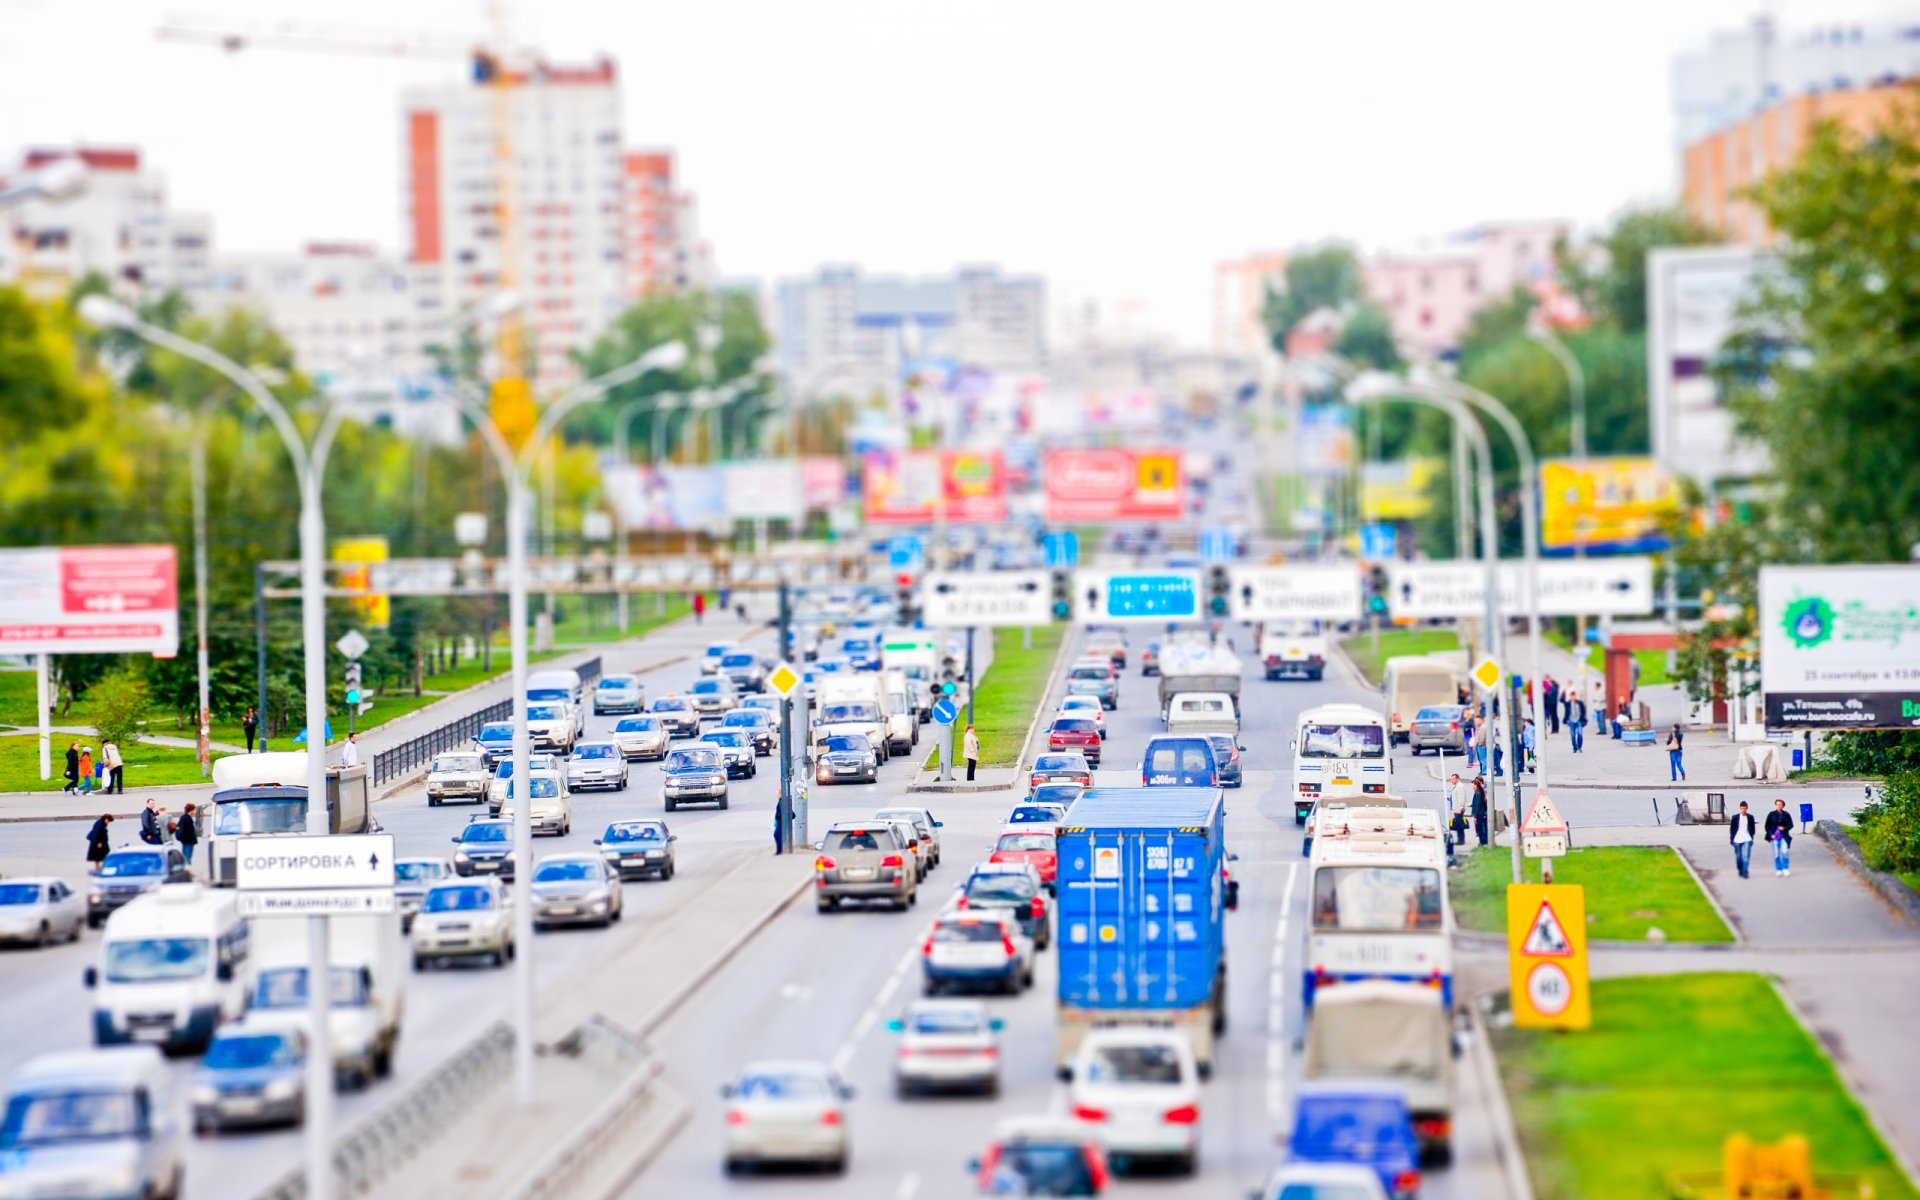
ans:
(1436, 714)
(492, 831)
(693, 760)
(1059, 762)
(155, 960)
(735, 740)
(1091, 672)
(123, 863)
(760, 702)
(1325, 1191)
(595, 750)
(1031, 813)
(1025, 841)
(1063, 794)
(633, 833)
(251, 1051)
(543, 712)
(554, 872)
(549, 693)
(847, 744)
(793, 1085)
(669, 706)
(1377, 899)
(1351, 1127)
(706, 687)
(457, 899)
(265, 814)
(1149, 1064)
(1042, 1169)
(637, 725)
(76, 1115)
(496, 733)
(1188, 758)
(832, 713)
(1343, 741)
(967, 931)
(1222, 746)
(457, 764)
(855, 839)
(619, 683)
(541, 789)
(19, 893)
(286, 987)
(744, 718)
(416, 872)
(945, 1020)
(737, 660)
(1075, 725)
(999, 888)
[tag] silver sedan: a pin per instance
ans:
(789, 1112)
(575, 889)
(40, 909)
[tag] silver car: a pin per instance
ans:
(461, 776)
(637, 848)
(713, 695)
(677, 714)
(924, 822)
(575, 889)
(787, 1112)
(642, 737)
(130, 872)
(464, 918)
(1438, 728)
(597, 765)
(947, 1044)
(38, 909)
(411, 879)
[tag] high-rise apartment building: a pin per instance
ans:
(663, 250)
(1431, 294)
(112, 221)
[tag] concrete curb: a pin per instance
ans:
(664, 1010)
(1901, 898)
(961, 787)
(1854, 1091)
(1726, 918)
(1506, 1139)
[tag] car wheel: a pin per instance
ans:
(92, 921)
(46, 935)
(433, 802)
(671, 806)
(723, 804)
(669, 871)
(1189, 1164)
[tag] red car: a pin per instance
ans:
(1052, 1156)
(1076, 733)
(1035, 847)
(1064, 767)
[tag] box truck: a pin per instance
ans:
(368, 955)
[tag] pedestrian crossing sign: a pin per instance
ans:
(1547, 955)
(1546, 938)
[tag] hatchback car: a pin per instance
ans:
(618, 694)
(786, 1112)
(1096, 680)
(1365, 1125)
(253, 1074)
(638, 848)
(713, 696)
(676, 713)
(495, 742)
(40, 909)
(1026, 844)
(1014, 888)
(464, 918)
(597, 765)
(744, 671)
(1437, 728)
(846, 758)
(984, 949)
(130, 872)
(458, 775)
(757, 725)
(1071, 767)
(1076, 733)
(693, 775)
(575, 889)
(864, 860)
(484, 847)
(1140, 1086)
(1041, 1156)
(736, 751)
(411, 879)
(946, 1044)
(641, 737)
(1226, 757)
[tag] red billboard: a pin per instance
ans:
(919, 487)
(1113, 485)
(89, 600)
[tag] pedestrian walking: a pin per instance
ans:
(187, 833)
(1740, 833)
(1577, 722)
(72, 775)
(726, 599)
(699, 607)
(86, 770)
(1528, 737)
(167, 824)
(1480, 808)
(970, 750)
(1779, 832)
(1676, 768)
(1499, 753)
(116, 777)
(1550, 703)
(98, 843)
(350, 752)
(150, 823)
(250, 725)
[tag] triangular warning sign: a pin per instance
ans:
(1543, 817)
(1546, 939)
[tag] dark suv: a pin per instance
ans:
(864, 860)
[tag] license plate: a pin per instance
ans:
(241, 1107)
(1340, 779)
(563, 910)
(150, 1033)
(844, 769)
(858, 873)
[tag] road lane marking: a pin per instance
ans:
(1277, 1003)
(843, 1057)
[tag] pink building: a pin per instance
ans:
(1432, 293)
(1239, 296)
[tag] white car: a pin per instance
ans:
(947, 1044)
(1322, 1181)
(463, 918)
(597, 765)
(1088, 708)
(768, 704)
(929, 828)
(968, 948)
(1141, 1086)
(551, 727)
(457, 775)
(552, 803)
(789, 1112)
(497, 786)
(39, 910)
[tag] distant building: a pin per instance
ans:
(662, 247)
(1239, 301)
(114, 222)
(1432, 293)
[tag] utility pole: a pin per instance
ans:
(783, 817)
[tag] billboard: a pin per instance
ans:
(1604, 505)
(1325, 444)
(90, 600)
(1694, 295)
(1114, 485)
(1840, 647)
(761, 488)
(823, 481)
(1398, 490)
(919, 487)
(375, 608)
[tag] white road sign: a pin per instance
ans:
(1614, 587)
(352, 644)
(319, 902)
(986, 598)
(1316, 592)
(345, 860)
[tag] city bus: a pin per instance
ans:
(1377, 902)
(1339, 750)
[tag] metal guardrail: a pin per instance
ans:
(589, 672)
(385, 1141)
(567, 1169)
(389, 765)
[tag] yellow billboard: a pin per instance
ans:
(1613, 505)
(375, 608)
(1398, 491)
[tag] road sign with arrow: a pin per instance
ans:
(986, 598)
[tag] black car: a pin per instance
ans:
(485, 847)
(1016, 892)
(636, 849)
(757, 724)
(846, 758)
(694, 775)
(1226, 755)
(745, 671)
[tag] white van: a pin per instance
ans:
(561, 686)
(1203, 713)
(93, 1123)
(1414, 682)
(369, 959)
(173, 965)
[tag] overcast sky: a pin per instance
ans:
(1120, 147)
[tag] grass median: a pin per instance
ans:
(1394, 643)
(1629, 889)
(146, 765)
(1672, 1066)
(1008, 695)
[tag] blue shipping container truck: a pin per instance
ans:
(1142, 898)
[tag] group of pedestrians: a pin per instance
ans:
(157, 828)
(83, 769)
(1778, 831)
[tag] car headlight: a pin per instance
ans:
(281, 1089)
(205, 1093)
(460, 856)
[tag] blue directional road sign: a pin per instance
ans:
(945, 711)
(1378, 541)
(1101, 596)
(1216, 545)
(1062, 547)
(904, 552)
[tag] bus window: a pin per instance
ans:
(1376, 899)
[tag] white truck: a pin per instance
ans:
(855, 703)
(173, 966)
(916, 656)
(1382, 1031)
(1293, 650)
(903, 724)
(368, 955)
(266, 794)
(1191, 667)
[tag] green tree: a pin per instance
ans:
(1367, 339)
(1610, 276)
(1326, 276)
(120, 703)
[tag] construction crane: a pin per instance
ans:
(489, 60)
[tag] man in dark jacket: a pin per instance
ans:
(1780, 837)
(150, 824)
(1480, 808)
(1740, 833)
(98, 842)
(73, 767)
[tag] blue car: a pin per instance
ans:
(1179, 762)
(495, 742)
(861, 654)
(1367, 1125)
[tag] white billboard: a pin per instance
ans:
(986, 598)
(1595, 587)
(1840, 646)
(1694, 295)
(1283, 593)
(89, 600)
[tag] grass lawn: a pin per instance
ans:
(1629, 888)
(1672, 1065)
(1008, 695)
(1653, 663)
(1393, 644)
(146, 765)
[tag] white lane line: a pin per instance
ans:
(1277, 1004)
(909, 1186)
(843, 1057)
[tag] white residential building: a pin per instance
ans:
(113, 222)
(1743, 71)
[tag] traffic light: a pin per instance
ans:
(1219, 590)
(903, 598)
(1377, 589)
(351, 677)
(1062, 595)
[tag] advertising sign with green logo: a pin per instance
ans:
(1840, 647)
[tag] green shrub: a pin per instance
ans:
(1870, 752)
(1889, 827)
(120, 701)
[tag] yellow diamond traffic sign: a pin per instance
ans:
(1487, 674)
(784, 679)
